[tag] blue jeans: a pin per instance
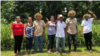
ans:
(40, 39)
(73, 37)
(74, 40)
(29, 43)
(57, 43)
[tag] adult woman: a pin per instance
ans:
(50, 33)
(86, 29)
(28, 34)
(17, 33)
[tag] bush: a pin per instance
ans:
(8, 44)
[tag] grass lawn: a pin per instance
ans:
(80, 52)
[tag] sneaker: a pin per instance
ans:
(86, 49)
(90, 50)
(64, 51)
(57, 52)
(75, 50)
(69, 50)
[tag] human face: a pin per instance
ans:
(30, 19)
(86, 17)
(61, 18)
(18, 19)
(38, 17)
(72, 15)
(52, 18)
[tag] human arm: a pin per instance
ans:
(43, 28)
(47, 24)
(34, 29)
(82, 31)
(25, 31)
(12, 27)
(47, 19)
(93, 15)
(57, 19)
(12, 33)
(65, 29)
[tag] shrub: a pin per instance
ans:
(8, 44)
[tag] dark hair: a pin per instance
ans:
(17, 16)
(29, 17)
(52, 16)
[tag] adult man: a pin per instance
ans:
(39, 30)
(86, 29)
(60, 33)
(71, 26)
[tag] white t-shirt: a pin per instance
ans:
(60, 29)
(87, 25)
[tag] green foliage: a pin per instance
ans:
(8, 44)
(10, 9)
(7, 10)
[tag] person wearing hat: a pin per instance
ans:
(39, 29)
(71, 28)
(60, 33)
(86, 29)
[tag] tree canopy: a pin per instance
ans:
(10, 9)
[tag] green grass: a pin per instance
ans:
(80, 52)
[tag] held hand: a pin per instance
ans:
(12, 36)
(24, 36)
(90, 12)
(65, 35)
(43, 33)
(34, 35)
(82, 34)
(77, 33)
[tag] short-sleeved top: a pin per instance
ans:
(71, 25)
(60, 29)
(39, 25)
(87, 25)
(17, 29)
(51, 29)
(29, 31)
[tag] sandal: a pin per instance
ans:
(49, 52)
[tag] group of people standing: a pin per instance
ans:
(59, 28)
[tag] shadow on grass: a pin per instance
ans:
(67, 52)
(23, 53)
(95, 50)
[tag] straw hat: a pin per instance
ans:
(86, 15)
(38, 14)
(72, 11)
